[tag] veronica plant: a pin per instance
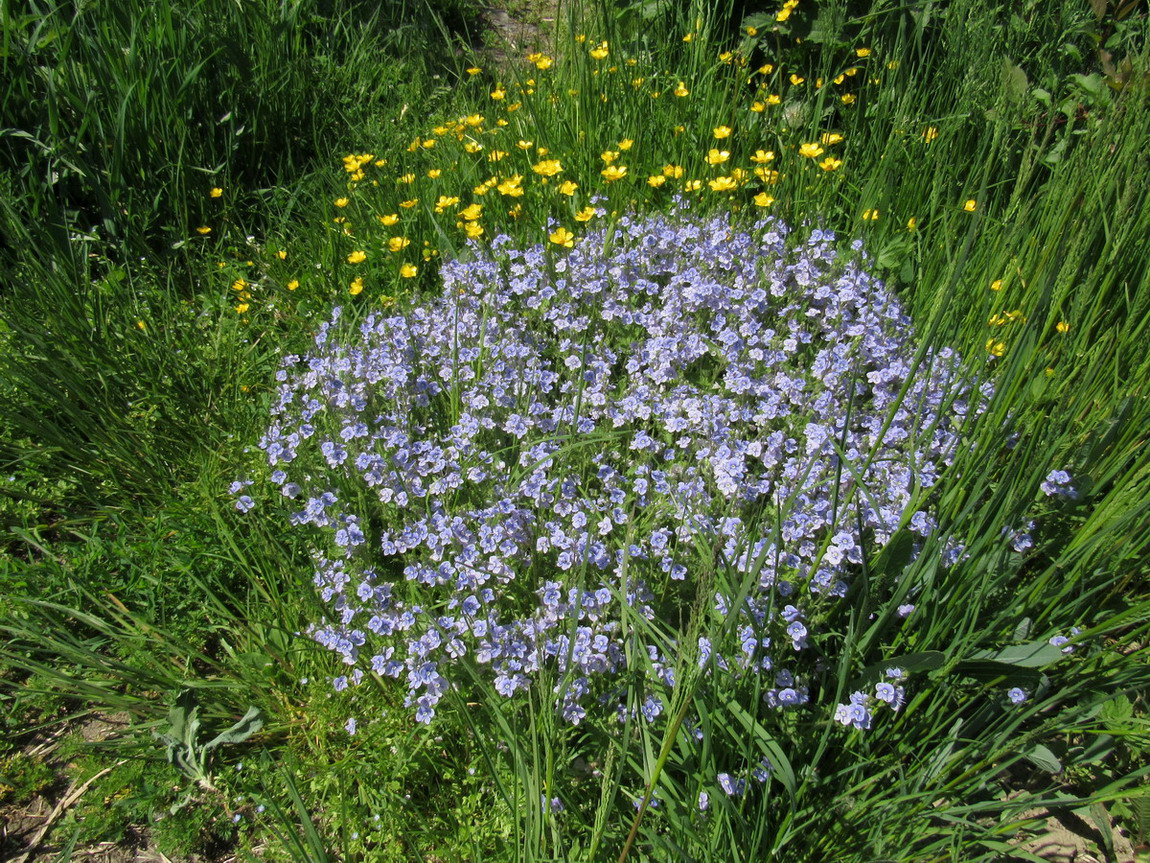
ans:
(541, 471)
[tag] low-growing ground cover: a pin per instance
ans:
(729, 443)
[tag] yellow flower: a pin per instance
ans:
(994, 348)
(496, 156)
(870, 215)
(356, 257)
(862, 52)
(758, 107)
(830, 138)
(472, 146)
(656, 180)
(204, 229)
(585, 215)
(688, 37)
(830, 163)
(562, 237)
(774, 99)
(356, 287)
(609, 156)
(614, 172)
(141, 325)
(838, 79)
(406, 178)
(722, 184)
(681, 90)
(525, 145)
(752, 31)
(474, 70)
(445, 201)
(996, 285)
(766, 69)
(626, 144)
(717, 157)
(408, 271)
(216, 192)
(239, 285)
(512, 186)
(1062, 327)
(471, 212)
(580, 38)
(241, 308)
(929, 134)
(811, 151)
(341, 202)
(675, 171)
(390, 219)
(797, 79)
(600, 51)
(541, 61)
(547, 168)
(293, 284)
(763, 200)
(726, 57)
(398, 244)
(852, 71)
(473, 120)
(474, 230)
(434, 173)
(568, 187)
(761, 157)
(428, 143)
(971, 205)
(498, 94)
(848, 98)
(767, 175)
(693, 185)
(722, 132)
(783, 14)
(282, 254)
(912, 224)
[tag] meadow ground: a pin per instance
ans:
(730, 445)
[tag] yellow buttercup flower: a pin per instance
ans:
(675, 171)
(681, 90)
(758, 107)
(434, 173)
(656, 180)
(717, 157)
(971, 205)
(512, 186)
(585, 215)
(774, 99)
(600, 51)
(204, 229)
(356, 287)
(474, 70)
(341, 202)
(471, 146)
(721, 132)
(830, 163)
(862, 52)
(499, 94)
(406, 179)
(761, 157)
(541, 61)
(242, 307)
(474, 230)
(1062, 327)
(848, 98)
(548, 167)
(562, 237)
(282, 254)
(995, 348)
(996, 285)
(568, 187)
(496, 155)
(912, 224)
(810, 150)
(722, 184)
(870, 215)
(763, 200)
(398, 244)
(797, 79)
(390, 219)
(929, 134)
(830, 138)
(356, 257)
(693, 185)
(293, 284)
(445, 201)
(408, 271)
(525, 145)
(609, 156)
(614, 172)
(767, 175)
(471, 212)
(626, 144)
(216, 192)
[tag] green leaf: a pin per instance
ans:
(1042, 758)
(251, 723)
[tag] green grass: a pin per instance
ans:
(135, 378)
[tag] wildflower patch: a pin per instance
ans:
(667, 447)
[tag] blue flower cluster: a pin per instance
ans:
(518, 472)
